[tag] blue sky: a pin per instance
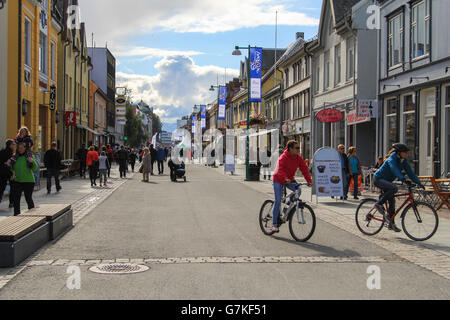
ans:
(170, 52)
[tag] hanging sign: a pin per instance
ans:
(330, 116)
(71, 118)
(255, 74)
(367, 109)
(352, 118)
(328, 173)
(222, 102)
(203, 116)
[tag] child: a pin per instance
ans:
(22, 137)
(103, 167)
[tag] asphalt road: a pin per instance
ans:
(213, 216)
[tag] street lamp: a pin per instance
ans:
(237, 52)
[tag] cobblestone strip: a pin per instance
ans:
(81, 208)
(218, 260)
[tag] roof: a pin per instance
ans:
(292, 49)
(342, 7)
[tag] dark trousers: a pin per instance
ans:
(123, 168)
(109, 168)
(82, 168)
(53, 173)
(132, 164)
(161, 166)
(389, 190)
(355, 178)
(17, 189)
(151, 168)
(3, 183)
(93, 174)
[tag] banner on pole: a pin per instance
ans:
(255, 74)
(222, 102)
(194, 118)
(203, 115)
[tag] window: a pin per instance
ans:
(295, 107)
(300, 70)
(307, 111)
(296, 75)
(350, 58)
(287, 77)
(27, 42)
(447, 97)
(409, 123)
(43, 53)
(420, 27)
(395, 41)
(300, 105)
(391, 120)
(53, 60)
(337, 64)
(317, 82)
(326, 70)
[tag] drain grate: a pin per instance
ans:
(119, 268)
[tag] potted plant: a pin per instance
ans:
(258, 120)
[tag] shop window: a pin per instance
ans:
(420, 27)
(391, 122)
(409, 124)
(337, 64)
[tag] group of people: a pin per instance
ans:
(148, 158)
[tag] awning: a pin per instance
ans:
(80, 126)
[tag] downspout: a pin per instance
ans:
(308, 60)
(19, 87)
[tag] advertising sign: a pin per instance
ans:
(203, 116)
(352, 118)
(121, 111)
(367, 109)
(255, 74)
(52, 104)
(121, 121)
(328, 173)
(330, 116)
(222, 102)
(71, 118)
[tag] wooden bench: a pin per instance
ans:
(59, 216)
(20, 237)
(441, 187)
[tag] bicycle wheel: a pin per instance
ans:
(265, 217)
(368, 219)
(420, 221)
(303, 223)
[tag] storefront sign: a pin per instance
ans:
(330, 116)
(328, 173)
(222, 102)
(353, 119)
(367, 108)
(299, 127)
(255, 74)
(71, 118)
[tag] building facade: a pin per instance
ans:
(33, 29)
(414, 90)
(97, 117)
(3, 74)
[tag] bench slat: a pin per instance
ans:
(13, 228)
(49, 211)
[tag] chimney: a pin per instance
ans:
(299, 35)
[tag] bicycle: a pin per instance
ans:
(419, 219)
(301, 217)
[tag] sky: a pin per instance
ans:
(169, 52)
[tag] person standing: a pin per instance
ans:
(81, 155)
(122, 156)
(146, 164)
(5, 172)
(52, 161)
(23, 177)
(153, 158)
(103, 165)
(345, 170)
(160, 157)
(132, 159)
(266, 166)
(110, 155)
(91, 161)
(355, 167)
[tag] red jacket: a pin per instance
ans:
(287, 167)
(91, 156)
(110, 153)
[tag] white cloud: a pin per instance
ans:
(178, 86)
(120, 20)
(149, 53)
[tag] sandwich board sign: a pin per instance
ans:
(328, 180)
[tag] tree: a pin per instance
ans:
(134, 129)
(157, 125)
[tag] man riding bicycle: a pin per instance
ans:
(287, 166)
(391, 169)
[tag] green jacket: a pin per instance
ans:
(22, 172)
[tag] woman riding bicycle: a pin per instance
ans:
(287, 166)
(391, 169)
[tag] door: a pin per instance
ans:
(427, 136)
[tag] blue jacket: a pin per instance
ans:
(160, 154)
(392, 168)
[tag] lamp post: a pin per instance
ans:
(237, 52)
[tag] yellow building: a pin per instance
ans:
(73, 93)
(32, 68)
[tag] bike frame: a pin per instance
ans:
(409, 200)
(298, 203)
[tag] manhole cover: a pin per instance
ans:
(118, 268)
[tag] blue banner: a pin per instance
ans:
(222, 102)
(203, 111)
(256, 56)
(194, 118)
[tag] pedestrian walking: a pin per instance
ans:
(103, 165)
(146, 165)
(122, 156)
(81, 155)
(52, 161)
(91, 162)
(345, 170)
(5, 171)
(153, 158)
(160, 157)
(355, 167)
(132, 159)
(23, 177)
(110, 155)
(266, 166)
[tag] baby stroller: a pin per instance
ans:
(177, 171)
